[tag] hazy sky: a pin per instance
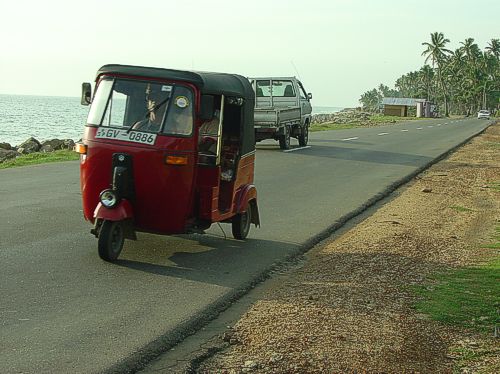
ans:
(340, 48)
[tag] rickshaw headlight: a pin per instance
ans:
(108, 198)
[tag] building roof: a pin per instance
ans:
(401, 101)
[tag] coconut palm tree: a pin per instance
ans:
(437, 53)
(426, 78)
(494, 48)
(371, 100)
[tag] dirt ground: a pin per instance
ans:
(349, 309)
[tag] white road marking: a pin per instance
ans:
(430, 126)
(350, 139)
(383, 133)
(419, 128)
(297, 149)
(439, 124)
(404, 130)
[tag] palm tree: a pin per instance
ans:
(489, 69)
(426, 78)
(371, 100)
(458, 84)
(437, 53)
(494, 48)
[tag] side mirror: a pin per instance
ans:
(86, 98)
(206, 107)
(309, 96)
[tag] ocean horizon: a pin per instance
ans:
(50, 117)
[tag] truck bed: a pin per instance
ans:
(276, 117)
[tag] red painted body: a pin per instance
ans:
(122, 211)
(169, 199)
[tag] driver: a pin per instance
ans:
(153, 119)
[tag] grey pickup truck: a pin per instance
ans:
(282, 110)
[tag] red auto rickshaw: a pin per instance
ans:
(148, 165)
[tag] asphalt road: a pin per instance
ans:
(62, 309)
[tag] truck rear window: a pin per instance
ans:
(279, 88)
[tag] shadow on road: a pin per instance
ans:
(203, 258)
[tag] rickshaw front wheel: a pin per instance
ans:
(110, 241)
(241, 223)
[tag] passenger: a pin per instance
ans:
(209, 134)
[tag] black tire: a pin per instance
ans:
(285, 139)
(240, 224)
(110, 241)
(304, 137)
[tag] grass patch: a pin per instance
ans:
(494, 185)
(467, 297)
(40, 158)
(332, 126)
(461, 208)
(381, 119)
(373, 120)
(495, 245)
(493, 144)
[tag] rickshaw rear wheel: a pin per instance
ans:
(240, 224)
(285, 139)
(110, 241)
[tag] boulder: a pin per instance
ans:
(6, 154)
(31, 145)
(6, 146)
(68, 144)
(56, 144)
(51, 145)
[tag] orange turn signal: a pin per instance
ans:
(176, 160)
(80, 148)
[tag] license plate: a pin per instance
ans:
(132, 136)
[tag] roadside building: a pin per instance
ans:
(402, 106)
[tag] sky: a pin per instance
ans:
(338, 48)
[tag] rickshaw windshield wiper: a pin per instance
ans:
(155, 108)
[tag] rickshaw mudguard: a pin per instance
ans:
(248, 195)
(118, 213)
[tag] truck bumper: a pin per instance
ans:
(262, 133)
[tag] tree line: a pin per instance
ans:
(462, 81)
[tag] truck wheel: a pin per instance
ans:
(285, 139)
(110, 241)
(240, 224)
(304, 137)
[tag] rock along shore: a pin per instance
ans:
(348, 115)
(32, 145)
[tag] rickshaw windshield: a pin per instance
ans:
(143, 106)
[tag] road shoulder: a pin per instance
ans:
(350, 306)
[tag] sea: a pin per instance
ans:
(50, 117)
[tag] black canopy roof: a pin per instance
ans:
(207, 82)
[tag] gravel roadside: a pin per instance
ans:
(349, 307)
